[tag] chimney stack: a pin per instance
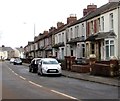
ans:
(45, 32)
(89, 9)
(59, 24)
(72, 18)
(52, 29)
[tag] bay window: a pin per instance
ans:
(109, 45)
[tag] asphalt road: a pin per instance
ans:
(18, 83)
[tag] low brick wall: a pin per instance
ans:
(81, 68)
(103, 70)
(103, 62)
(100, 69)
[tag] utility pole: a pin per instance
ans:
(34, 40)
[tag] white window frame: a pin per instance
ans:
(91, 27)
(59, 38)
(109, 48)
(102, 23)
(99, 26)
(62, 36)
(71, 32)
(111, 21)
(83, 29)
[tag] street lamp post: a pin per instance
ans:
(34, 39)
(34, 32)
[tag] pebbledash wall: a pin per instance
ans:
(65, 50)
(119, 32)
(115, 29)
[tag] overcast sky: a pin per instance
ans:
(18, 17)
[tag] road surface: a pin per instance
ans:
(19, 83)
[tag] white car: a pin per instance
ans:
(49, 66)
(12, 60)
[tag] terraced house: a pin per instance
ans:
(103, 31)
(97, 32)
(60, 49)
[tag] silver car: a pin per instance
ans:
(49, 66)
(17, 61)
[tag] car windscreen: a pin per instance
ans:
(17, 59)
(50, 62)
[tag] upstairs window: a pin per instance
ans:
(102, 23)
(71, 32)
(62, 37)
(76, 31)
(91, 27)
(98, 27)
(59, 37)
(83, 29)
(111, 21)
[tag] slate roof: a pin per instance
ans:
(6, 49)
(105, 8)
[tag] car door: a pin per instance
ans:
(39, 65)
(32, 64)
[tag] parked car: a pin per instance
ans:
(49, 66)
(81, 61)
(33, 67)
(12, 60)
(17, 61)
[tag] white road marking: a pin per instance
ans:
(15, 73)
(22, 78)
(10, 69)
(64, 94)
(42, 86)
(35, 84)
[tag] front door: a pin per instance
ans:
(99, 50)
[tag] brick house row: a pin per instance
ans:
(97, 32)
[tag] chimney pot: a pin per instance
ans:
(89, 9)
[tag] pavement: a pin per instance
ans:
(113, 81)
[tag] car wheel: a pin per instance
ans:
(33, 70)
(38, 73)
(29, 69)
